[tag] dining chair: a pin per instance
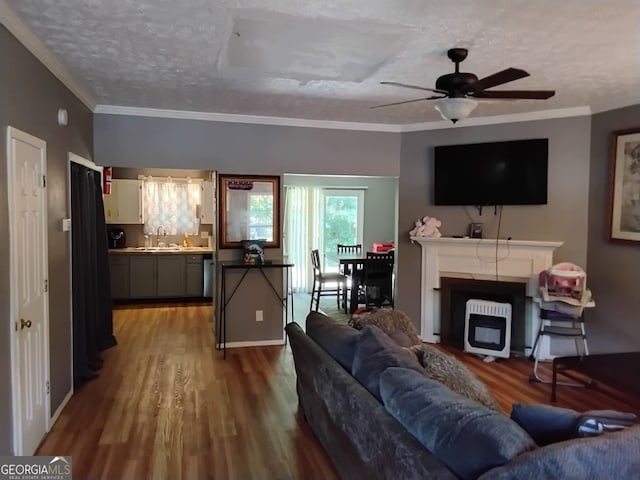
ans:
(377, 279)
(353, 276)
(326, 283)
(341, 248)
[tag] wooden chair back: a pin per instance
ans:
(349, 248)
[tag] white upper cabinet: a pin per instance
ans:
(124, 204)
(208, 210)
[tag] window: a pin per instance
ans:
(261, 216)
(172, 204)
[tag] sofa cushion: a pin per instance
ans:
(612, 455)
(375, 352)
(395, 323)
(337, 339)
(466, 436)
(454, 374)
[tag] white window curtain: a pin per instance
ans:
(173, 205)
(301, 213)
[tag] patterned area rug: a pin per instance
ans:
(328, 306)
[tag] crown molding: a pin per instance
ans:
(250, 119)
(31, 42)
(497, 119)
(327, 124)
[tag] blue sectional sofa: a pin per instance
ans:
(378, 416)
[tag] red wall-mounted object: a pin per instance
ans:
(106, 180)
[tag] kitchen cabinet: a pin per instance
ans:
(124, 204)
(119, 269)
(195, 277)
(142, 276)
(208, 208)
(155, 275)
(171, 275)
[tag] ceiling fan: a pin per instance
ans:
(457, 92)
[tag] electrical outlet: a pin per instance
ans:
(259, 316)
(204, 234)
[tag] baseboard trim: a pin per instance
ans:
(56, 414)
(255, 343)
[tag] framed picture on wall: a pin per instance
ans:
(625, 187)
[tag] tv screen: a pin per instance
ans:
(498, 173)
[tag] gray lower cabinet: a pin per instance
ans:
(171, 275)
(195, 287)
(142, 278)
(156, 276)
(119, 269)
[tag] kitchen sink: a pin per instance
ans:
(169, 248)
(159, 249)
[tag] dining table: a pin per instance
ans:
(353, 263)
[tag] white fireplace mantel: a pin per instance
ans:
(517, 261)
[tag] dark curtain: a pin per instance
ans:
(91, 285)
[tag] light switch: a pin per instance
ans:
(66, 224)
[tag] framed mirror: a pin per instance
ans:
(249, 209)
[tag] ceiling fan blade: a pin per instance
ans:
(498, 78)
(406, 101)
(514, 94)
(416, 87)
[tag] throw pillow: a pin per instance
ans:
(545, 423)
(394, 323)
(548, 424)
(597, 422)
(467, 437)
(337, 339)
(375, 352)
(455, 375)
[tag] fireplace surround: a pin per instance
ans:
(518, 261)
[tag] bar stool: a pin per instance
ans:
(559, 325)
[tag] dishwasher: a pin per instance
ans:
(209, 272)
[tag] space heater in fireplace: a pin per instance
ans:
(487, 328)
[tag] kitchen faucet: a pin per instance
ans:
(164, 233)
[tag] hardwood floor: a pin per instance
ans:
(166, 405)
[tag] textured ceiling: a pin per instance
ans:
(324, 60)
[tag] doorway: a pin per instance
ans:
(91, 293)
(366, 207)
(29, 298)
(342, 221)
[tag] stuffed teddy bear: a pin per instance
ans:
(426, 227)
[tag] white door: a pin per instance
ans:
(26, 167)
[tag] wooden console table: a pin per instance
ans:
(615, 369)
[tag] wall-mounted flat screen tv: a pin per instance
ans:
(497, 173)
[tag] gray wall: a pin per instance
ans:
(29, 98)
(564, 218)
(128, 141)
(379, 202)
(613, 268)
(143, 142)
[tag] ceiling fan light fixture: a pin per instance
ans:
(455, 108)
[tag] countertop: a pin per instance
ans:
(162, 250)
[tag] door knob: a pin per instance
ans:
(25, 323)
